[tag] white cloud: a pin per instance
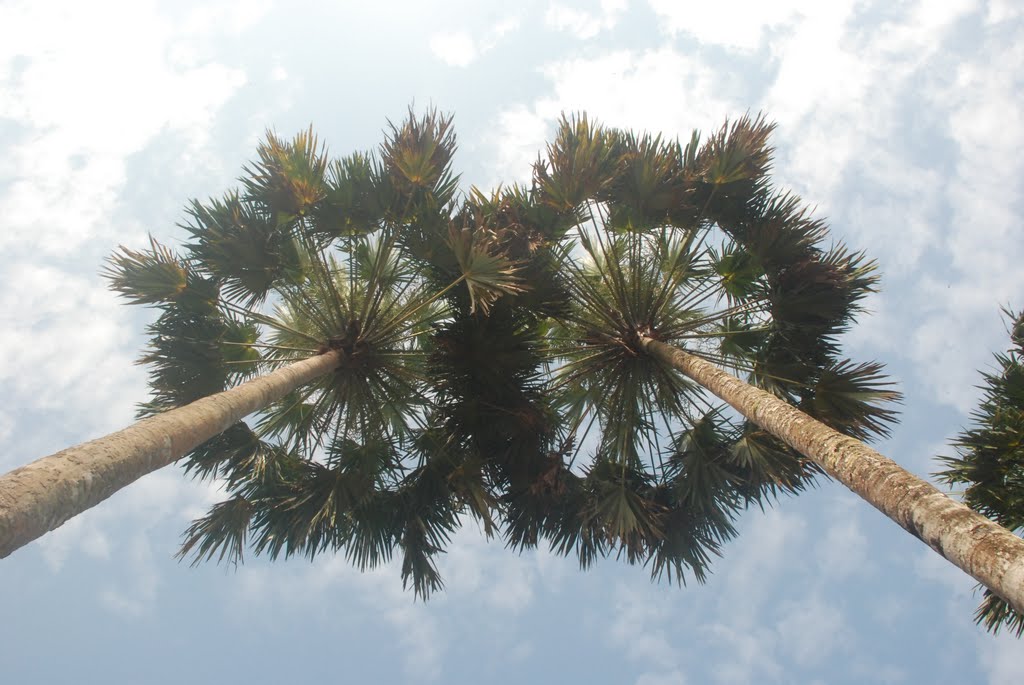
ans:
(69, 331)
(622, 88)
(486, 585)
(669, 678)
(457, 49)
(420, 628)
(843, 548)
(136, 596)
(1002, 658)
(583, 23)
(738, 25)
(80, 534)
(230, 17)
(461, 48)
(521, 137)
(944, 342)
(754, 561)
(811, 616)
(820, 115)
(89, 95)
(988, 127)
(423, 644)
(898, 209)
(751, 655)
(658, 89)
(829, 122)
(481, 571)
(1003, 11)
(637, 629)
(978, 247)
(6, 426)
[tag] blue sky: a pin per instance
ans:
(900, 121)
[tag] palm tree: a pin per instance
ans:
(308, 252)
(654, 296)
(991, 463)
(459, 352)
(40, 496)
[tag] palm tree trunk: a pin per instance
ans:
(988, 552)
(38, 497)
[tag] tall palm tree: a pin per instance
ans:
(690, 261)
(305, 276)
(990, 462)
(495, 355)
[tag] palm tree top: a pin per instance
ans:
(990, 460)
(489, 345)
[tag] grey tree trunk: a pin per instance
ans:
(991, 554)
(38, 497)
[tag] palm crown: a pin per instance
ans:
(990, 461)
(489, 345)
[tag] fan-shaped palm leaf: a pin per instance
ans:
(287, 179)
(244, 247)
(990, 462)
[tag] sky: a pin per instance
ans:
(900, 122)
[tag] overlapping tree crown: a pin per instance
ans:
(990, 461)
(490, 351)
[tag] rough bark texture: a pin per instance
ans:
(988, 552)
(38, 497)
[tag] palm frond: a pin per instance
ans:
(488, 273)
(157, 277)
(287, 179)
(581, 163)
(990, 460)
(739, 271)
(852, 398)
(699, 467)
(185, 357)
(429, 517)
(221, 533)
(649, 186)
(995, 613)
(244, 247)
(356, 198)
(737, 151)
(692, 539)
(452, 401)
(621, 506)
(417, 159)
(237, 455)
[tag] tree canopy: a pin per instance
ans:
(490, 363)
(990, 461)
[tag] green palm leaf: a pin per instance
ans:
(356, 197)
(287, 179)
(852, 398)
(525, 399)
(158, 277)
(581, 164)
(243, 247)
(417, 160)
(649, 185)
(488, 273)
(990, 461)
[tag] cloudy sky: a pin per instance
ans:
(900, 121)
